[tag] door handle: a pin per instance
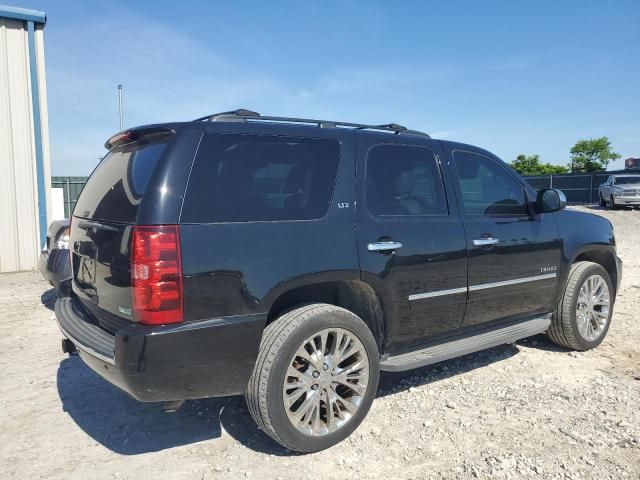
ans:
(387, 246)
(484, 241)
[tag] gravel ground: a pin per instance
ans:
(517, 411)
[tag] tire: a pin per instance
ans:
(564, 329)
(279, 355)
(612, 204)
(603, 203)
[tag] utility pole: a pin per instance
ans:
(120, 107)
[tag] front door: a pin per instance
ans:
(411, 241)
(514, 253)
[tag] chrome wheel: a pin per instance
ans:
(326, 382)
(592, 309)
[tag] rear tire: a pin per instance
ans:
(582, 318)
(310, 351)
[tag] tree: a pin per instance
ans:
(592, 155)
(531, 165)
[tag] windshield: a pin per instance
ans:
(626, 180)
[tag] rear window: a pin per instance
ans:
(244, 178)
(114, 190)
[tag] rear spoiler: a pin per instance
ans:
(128, 136)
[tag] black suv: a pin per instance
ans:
(290, 260)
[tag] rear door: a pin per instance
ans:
(102, 222)
(411, 241)
(514, 253)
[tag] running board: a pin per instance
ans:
(463, 346)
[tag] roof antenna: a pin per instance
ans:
(120, 112)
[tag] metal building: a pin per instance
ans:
(24, 139)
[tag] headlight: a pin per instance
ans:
(62, 242)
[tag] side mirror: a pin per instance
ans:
(550, 200)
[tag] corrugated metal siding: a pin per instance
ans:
(19, 238)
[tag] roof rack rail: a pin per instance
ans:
(241, 115)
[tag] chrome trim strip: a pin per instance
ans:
(515, 281)
(437, 293)
(88, 350)
(482, 286)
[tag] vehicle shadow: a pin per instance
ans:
(395, 382)
(598, 207)
(594, 206)
(48, 299)
(542, 342)
(125, 425)
(129, 427)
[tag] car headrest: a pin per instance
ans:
(403, 183)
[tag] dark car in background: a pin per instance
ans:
(54, 259)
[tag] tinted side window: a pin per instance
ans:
(487, 187)
(403, 180)
(244, 178)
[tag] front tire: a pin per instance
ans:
(582, 318)
(612, 204)
(315, 378)
(603, 203)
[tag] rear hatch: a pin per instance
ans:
(102, 225)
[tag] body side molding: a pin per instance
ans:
(482, 286)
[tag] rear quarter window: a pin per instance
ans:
(245, 178)
(116, 186)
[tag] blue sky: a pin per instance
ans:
(512, 77)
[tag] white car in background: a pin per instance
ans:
(620, 190)
(54, 262)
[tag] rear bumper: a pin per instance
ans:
(209, 358)
(54, 266)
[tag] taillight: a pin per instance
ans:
(156, 274)
(119, 138)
